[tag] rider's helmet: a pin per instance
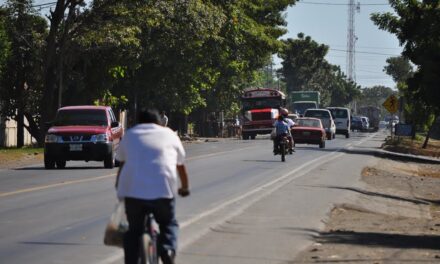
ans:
(284, 112)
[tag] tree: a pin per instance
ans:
(5, 44)
(302, 58)
(64, 23)
(21, 79)
(399, 68)
(417, 26)
(305, 68)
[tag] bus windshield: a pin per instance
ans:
(301, 107)
(259, 103)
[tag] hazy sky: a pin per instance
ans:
(326, 21)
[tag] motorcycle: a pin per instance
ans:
(283, 147)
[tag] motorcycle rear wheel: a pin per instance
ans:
(283, 152)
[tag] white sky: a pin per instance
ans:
(326, 21)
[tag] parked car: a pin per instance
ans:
(342, 118)
(309, 131)
(326, 119)
(82, 133)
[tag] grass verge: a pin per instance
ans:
(409, 146)
(12, 155)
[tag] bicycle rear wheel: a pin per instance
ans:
(152, 256)
(148, 251)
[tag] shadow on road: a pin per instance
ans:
(261, 160)
(370, 193)
(373, 239)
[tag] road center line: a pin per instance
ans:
(39, 188)
(44, 187)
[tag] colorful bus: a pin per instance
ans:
(260, 108)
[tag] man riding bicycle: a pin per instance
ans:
(151, 157)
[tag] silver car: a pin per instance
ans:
(326, 119)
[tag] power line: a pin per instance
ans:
(45, 4)
(341, 4)
(366, 47)
(367, 52)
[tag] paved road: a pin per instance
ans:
(240, 192)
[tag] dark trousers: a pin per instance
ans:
(164, 214)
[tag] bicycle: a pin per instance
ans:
(148, 245)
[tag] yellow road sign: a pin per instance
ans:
(391, 104)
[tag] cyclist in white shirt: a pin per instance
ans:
(152, 158)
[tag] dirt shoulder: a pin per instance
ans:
(396, 219)
(15, 158)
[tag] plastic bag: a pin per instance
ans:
(116, 227)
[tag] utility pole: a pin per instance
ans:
(351, 40)
(351, 45)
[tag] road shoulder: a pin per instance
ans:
(395, 220)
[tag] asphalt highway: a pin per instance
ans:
(240, 190)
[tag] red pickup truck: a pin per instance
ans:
(82, 133)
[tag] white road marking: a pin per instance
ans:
(263, 188)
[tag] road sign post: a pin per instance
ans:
(392, 105)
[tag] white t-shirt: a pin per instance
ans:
(150, 154)
(289, 122)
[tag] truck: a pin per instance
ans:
(300, 101)
(373, 114)
(260, 108)
(83, 132)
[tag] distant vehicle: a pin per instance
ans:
(326, 119)
(383, 124)
(260, 108)
(309, 130)
(342, 118)
(303, 100)
(356, 123)
(82, 133)
(294, 117)
(365, 123)
(373, 114)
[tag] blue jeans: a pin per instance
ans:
(164, 214)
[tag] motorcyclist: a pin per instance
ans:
(281, 129)
(285, 113)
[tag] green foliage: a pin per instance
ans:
(302, 59)
(305, 68)
(110, 100)
(21, 79)
(399, 68)
(5, 43)
(417, 26)
(173, 55)
(375, 96)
